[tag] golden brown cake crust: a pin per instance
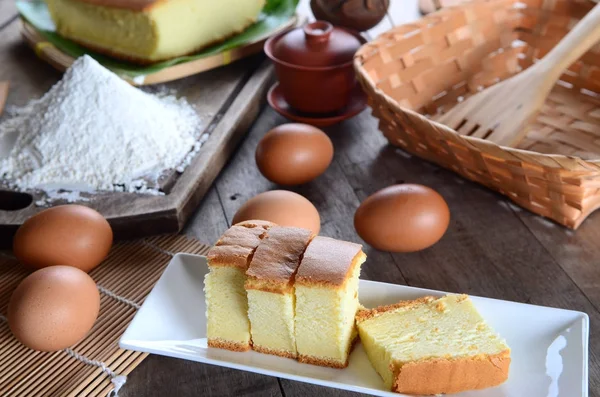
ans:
(280, 353)
(325, 362)
(277, 258)
(228, 345)
(437, 376)
(328, 262)
(365, 314)
(237, 244)
(243, 236)
(322, 362)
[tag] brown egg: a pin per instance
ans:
(69, 235)
(402, 218)
(294, 153)
(53, 308)
(281, 207)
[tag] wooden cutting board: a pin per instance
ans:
(228, 100)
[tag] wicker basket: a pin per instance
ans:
(415, 72)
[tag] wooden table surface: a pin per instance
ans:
(492, 248)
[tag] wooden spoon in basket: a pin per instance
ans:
(501, 112)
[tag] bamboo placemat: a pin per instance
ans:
(94, 366)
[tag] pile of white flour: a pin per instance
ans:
(94, 129)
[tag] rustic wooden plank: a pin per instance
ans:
(209, 222)
(165, 376)
(235, 93)
(299, 389)
(577, 252)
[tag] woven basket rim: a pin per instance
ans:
(512, 154)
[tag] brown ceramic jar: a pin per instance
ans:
(360, 15)
(314, 66)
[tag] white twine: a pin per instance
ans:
(117, 380)
(116, 297)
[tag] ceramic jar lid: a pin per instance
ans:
(317, 44)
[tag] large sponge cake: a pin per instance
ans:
(147, 31)
(327, 301)
(433, 346)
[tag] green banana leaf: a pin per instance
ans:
(274, 14)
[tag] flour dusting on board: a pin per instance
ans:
(95, 130)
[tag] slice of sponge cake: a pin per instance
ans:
(147, 31)
(270, 289)
(227, 304)
(433, 346)
(327, 301)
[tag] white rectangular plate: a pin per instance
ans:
(549, 346)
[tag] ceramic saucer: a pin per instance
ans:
(357, 103)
